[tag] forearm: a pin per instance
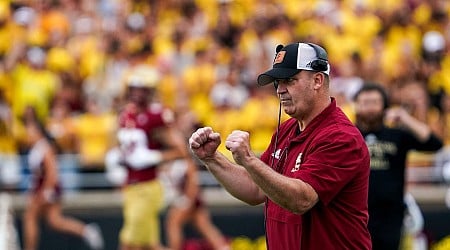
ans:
(291, 194)
(421, 130)
(235, 179)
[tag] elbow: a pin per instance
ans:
(305, 200)
(253, 202)
(300, 210)
(303, 206)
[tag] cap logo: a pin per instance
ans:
(280, 57)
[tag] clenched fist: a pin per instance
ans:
(204, 142)
(238, 143)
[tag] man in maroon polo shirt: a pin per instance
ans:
(314, 175)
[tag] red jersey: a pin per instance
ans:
(332, 157)
(155, 117)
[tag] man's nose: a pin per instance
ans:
(281, 88)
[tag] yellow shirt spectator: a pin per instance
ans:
(60, 60)
(95, 133)
(33, 87)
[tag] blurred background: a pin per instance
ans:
(68, 59)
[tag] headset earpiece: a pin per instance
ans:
(279, 48)
(320, 64)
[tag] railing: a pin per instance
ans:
(73, 177)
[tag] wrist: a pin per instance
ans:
(211, 159)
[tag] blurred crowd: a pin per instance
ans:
(68, 59)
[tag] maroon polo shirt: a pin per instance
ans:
(332, 157)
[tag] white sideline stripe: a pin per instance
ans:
(5, 201)
(8, 236)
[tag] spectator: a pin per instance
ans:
(93, 144)
(34, 85)
(230, 92)
(388, 146)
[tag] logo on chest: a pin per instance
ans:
(298, 162)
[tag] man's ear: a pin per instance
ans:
(319, 80)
